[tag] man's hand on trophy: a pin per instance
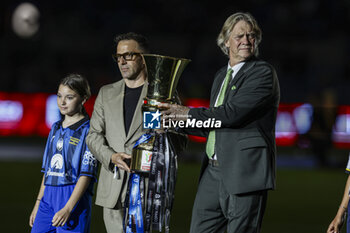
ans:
(174, 112)
(121, 160)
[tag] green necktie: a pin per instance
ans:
(211, 138)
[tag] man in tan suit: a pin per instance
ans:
(115, 126)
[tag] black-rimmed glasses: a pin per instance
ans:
(126, 56)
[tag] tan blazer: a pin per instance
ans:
(107, 136)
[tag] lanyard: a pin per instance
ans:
(160, 192)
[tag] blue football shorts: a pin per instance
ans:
(54, 199)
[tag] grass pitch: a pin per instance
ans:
(305, 200)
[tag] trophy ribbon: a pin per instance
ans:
(154, 156)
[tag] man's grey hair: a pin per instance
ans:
(231, 22)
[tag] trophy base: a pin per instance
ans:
(141, 161)
(141, 157)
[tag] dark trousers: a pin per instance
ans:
(215, 210)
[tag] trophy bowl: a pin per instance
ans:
(163, 74)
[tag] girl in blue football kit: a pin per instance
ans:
(64, 200)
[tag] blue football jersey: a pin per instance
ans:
(67, 156)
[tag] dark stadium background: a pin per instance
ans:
(307, 41)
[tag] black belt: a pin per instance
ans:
(213, 162)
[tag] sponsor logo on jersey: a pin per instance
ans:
(57, 161)
(89, 159)
(51, 173)
(56, 164)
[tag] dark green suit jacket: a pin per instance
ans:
(245, 143)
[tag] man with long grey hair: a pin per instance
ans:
(239, 166)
